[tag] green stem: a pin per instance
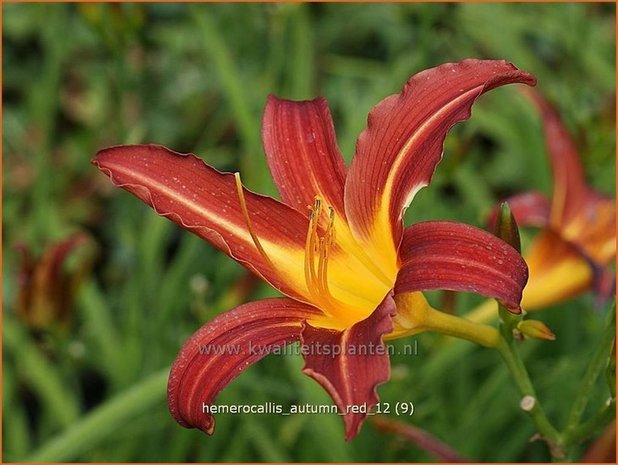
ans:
(597, 364)
(596, 423)
(453, 325)
(513, 361)
(102, 421)
(414, 316)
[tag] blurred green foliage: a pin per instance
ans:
(195, 77)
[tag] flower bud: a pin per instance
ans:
(536, 329)
(506, 227)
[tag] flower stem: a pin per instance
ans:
(594, 424)
(453, 325)
(597, 364)
(101, 422)
(514, 363)
(415, 315)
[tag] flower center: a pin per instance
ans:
(339, 278)
(317, 250)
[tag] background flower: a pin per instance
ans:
(576, 246)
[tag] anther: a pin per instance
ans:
(330, 231)
(317, 279)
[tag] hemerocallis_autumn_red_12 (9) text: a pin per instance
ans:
(335, 245)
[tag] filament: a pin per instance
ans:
(245, 213)
(309, 254)
(317, 251)
(326, 243)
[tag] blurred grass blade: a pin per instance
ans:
(40, 374)
(598, 362)
(219, 56)
(301, 54)
(16, 435)
(417, 436)
(96, 426)
(263, 441)
(98, 319)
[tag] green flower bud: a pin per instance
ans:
(506, 227)
(536, 329)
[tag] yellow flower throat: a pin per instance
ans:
(339, 278)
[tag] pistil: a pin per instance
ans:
(245, 213)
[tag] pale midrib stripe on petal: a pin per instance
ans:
(280, 254)
(427, 125)
(241, 233)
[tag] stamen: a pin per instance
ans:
(313, 229)
(325, 244)
(317, 210)
(317, 280)
(309, 255)
(330, 231)
(316, 245)
(245, 212)
(322, 268)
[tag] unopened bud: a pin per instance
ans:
(506, 227)
(536, 329)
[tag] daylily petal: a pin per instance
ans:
(583, 216)
(603, 284)
(459, 257)
(47, 286)
(557, 270)
(205, 201)
(570, 188)
(577, 209)
(593, 229)
(529, 209)
(301, 149)
(356, 362)
(398, 152)
(219, 351)
(302, 153)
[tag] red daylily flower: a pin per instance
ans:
(335, 245)
(577, 241)
(47, 286)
